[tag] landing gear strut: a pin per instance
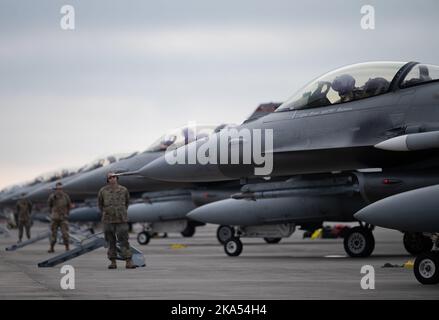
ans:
(359, 242)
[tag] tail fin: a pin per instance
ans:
(262, 110)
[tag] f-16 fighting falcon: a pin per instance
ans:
(364, 131)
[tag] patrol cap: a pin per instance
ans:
(58, 184)
(111, 174)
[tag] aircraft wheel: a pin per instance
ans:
(416, 243)
(224, 233)
(359, 242)
(272, 240)
(233, 247)
(143, 238)
(189, 231)
(426, 268)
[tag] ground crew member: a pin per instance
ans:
(24, 210)
(59, 205)
(113, 201)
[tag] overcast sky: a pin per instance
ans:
(132, 70)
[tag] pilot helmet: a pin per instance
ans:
(343, 84)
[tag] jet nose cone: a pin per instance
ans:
(371, 215)
(208, 214)
(87, 184)
(41, 194)
(414, 211)
(179, 167)
(85, 214)
(225, 212)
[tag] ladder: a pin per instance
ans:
(39, 237)
(90, 244)
(73, 238)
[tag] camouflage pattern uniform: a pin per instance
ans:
(113, 202)
(59, 205)
(24, 209)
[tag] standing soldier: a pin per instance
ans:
(113, 201)
(59, 205)
(24, 209)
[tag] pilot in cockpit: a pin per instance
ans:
(344, 85)
(167, 141)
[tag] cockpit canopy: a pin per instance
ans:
(346, 84)
(54, 175)
(419, 74)
(105, 161)
(180, 137)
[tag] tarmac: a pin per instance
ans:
(197, 268)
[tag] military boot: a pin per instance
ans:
(130, 264)
(51, 250)
(113, 264)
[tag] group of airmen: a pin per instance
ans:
(113, 201)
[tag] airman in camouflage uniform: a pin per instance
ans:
(113, 201)
(59, 205)
(24, 209)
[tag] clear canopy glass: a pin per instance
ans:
(419, 74)
(180, 137)
(346, 84)
(105, 161)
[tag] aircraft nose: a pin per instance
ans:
(413, 211)
(224, 212)
(85, 214)
(208, 214)
(167, 168)
(371, 215)
(89, 183)
(41, 194)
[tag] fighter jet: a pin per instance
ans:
(41, 192)
(163, 205)
(273, 210)
(415, 211)
(348, 120)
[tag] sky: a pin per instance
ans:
(132, 70)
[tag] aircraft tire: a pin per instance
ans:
(143, 238)
(426, 268)
(224, 233)
(189, 231)
(233, 247)
(359, 242)
(416, 243)
(272, 240)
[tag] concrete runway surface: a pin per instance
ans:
(197, 268)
